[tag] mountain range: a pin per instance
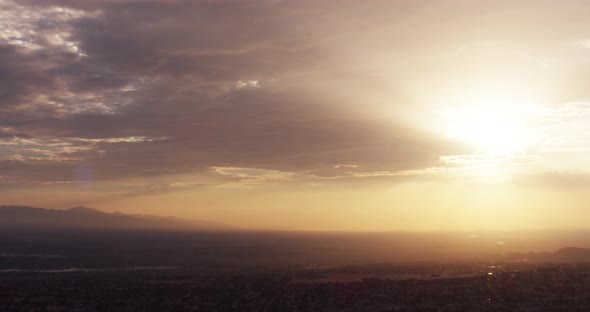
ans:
(565, 254)
(83, 217)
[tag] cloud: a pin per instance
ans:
(159, 88)
(254, 175)
(495, 159)
(567, 128)
(241, 84)
(338, 166)
(39, 29)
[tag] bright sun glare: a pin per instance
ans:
(494, 126)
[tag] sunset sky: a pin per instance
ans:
(300, 115)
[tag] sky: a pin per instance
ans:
(300, 115)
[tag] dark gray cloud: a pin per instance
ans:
(21, 76)
(198, 85)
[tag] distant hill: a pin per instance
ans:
(84, 217)
(566, 254)
(573, 254)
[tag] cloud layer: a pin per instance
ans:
(141, 89)
(156, 88)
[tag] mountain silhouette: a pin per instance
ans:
(575, 254)
(565, 254)
(84, 217)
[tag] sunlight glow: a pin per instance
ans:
(494, 126)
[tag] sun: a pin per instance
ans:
(493, 126)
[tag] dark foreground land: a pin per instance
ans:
(546, 288)
(244, 272)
